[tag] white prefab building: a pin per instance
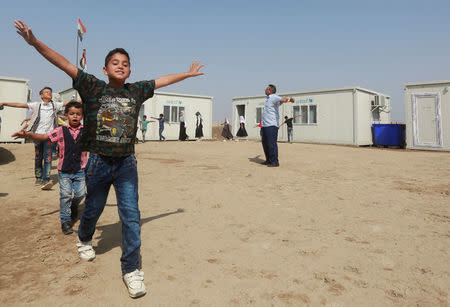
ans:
(333, 116)
(13, 90)
(169, 104)
(427, 114)
(67, 95)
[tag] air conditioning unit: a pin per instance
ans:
(380, 100)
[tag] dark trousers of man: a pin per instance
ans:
(269, 143)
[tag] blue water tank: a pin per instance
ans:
(389, 134)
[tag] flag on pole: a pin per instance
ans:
(83, 60)
(81, 29)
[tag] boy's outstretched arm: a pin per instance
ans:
(194, 71)
(14, 105)
(30, 135)
(52, 56)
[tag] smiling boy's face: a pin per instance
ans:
(118, 69)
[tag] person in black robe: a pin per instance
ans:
(199, 126)
(183, 136)
(242, 132)
(226, 132)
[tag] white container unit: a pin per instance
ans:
(332, 116)
(13, 90)
(427, 114)
(170, 104)
(67, 95)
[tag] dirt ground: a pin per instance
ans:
(332, 226)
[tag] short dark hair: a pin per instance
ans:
(161, 115)
(45, 88)
(273, 88)
(113, 52)
(286, 117)
(72, 104)
(144, 116)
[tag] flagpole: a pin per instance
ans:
(76, 61)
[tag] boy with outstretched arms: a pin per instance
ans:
(43, 120)
(110, 117)
(161, 121)
(72, 162)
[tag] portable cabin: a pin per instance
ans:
(330, 116)
(13, 90)
(427, 115)
(170, 105)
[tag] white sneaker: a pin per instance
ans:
(135, 283)
(85, 250)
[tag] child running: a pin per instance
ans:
(72, 162)
(110, 116)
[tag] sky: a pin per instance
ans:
(244, 45)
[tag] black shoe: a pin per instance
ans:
(273, 165)
(265, 163)
(66, 228)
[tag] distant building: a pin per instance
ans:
(331, 116)
(427, 114)
(169, 104)
(13, 90)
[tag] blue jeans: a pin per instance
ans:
(269, 143)
(290, 134)
(101, 173)
(161, 137)
(70, 185)
(43, 154)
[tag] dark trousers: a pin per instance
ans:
(161, 137)
(269, 143)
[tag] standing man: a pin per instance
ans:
(269, 125)
(44, 119)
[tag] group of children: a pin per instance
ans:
(144, 122)
(110, 113)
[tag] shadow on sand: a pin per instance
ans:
(112, 234)
(256, 159)
(6, 156)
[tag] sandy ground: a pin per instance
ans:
(333, 226)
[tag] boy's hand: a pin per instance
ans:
(21, 134)
(25, 32)
(194, 70)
